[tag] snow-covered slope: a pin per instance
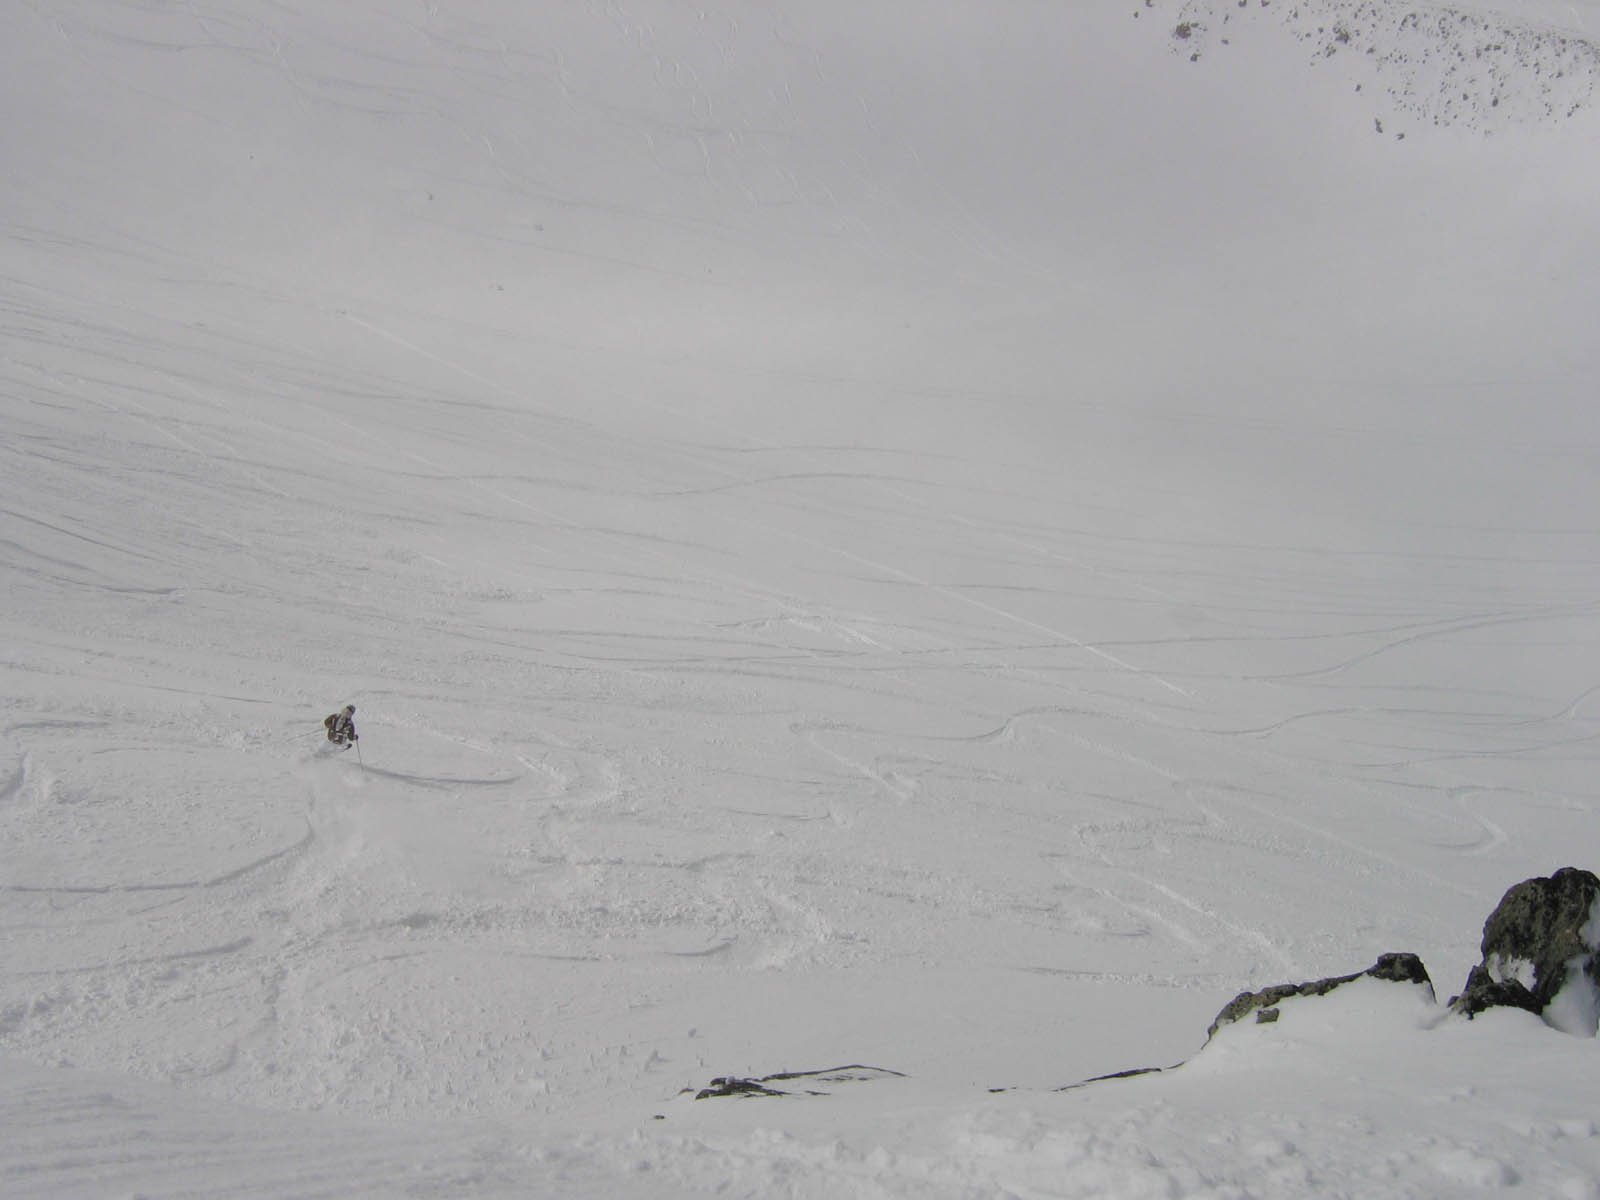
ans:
(954, 538)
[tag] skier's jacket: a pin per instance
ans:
(340, 726)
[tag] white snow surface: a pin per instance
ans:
(949, 537)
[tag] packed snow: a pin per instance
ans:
(946, 540)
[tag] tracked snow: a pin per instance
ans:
(949, 540)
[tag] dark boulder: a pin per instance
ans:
(1393, 968)
(1543, 937)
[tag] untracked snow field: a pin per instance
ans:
(950, 539)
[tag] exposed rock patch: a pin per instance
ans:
(1427, 64)
(733, 1086)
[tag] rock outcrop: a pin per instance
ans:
(1541, 952)
(1395, 968)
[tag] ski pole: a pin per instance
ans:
(359, 759)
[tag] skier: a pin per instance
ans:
(341, 726)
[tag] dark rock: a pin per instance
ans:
(730, 1085)
(1483, 991)
(1135, 1072)
(1393, 968)
(1131, 1073)
(1543, 931)
(1400, 968)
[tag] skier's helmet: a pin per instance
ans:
(349, 709)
